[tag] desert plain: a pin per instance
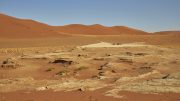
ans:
(39, 62)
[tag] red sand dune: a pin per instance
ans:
(26, 28)
(22, 28)
(167, 33)
(11, 27)
(97, 29)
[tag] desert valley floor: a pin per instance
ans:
(91, 68)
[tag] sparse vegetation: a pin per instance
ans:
(9, 63)
(49, 69)
(63, 73)
(115, 67)
(125, 60)
(81, 68)
(64, 62)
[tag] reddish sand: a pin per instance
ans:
(11, 27)
(168, 33)
(84, 96)
(98, 30)
(56, 96)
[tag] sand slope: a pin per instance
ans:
(167, 33)
(97, 29)
(11, 27)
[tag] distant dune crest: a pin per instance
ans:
(11, 27)
(97, 29)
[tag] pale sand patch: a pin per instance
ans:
(106, 44)
(16, 84)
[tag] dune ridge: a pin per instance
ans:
(98, 29)
(11, 27)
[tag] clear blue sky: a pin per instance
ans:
(148, 15)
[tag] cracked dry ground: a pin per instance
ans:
(149, 73)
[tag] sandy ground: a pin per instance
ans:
(90, 68)
(165, 40)
(84, 96)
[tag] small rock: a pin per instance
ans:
(81, 89)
